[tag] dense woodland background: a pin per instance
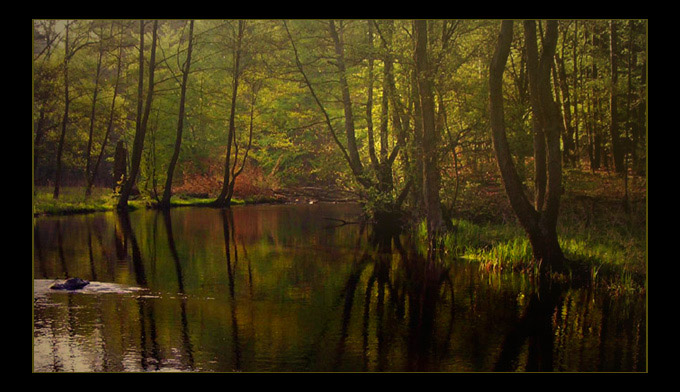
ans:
(384, 109)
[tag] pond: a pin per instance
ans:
(301, 288)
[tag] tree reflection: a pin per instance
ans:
(372, 301)
(149, 355)
(227, 223)
(129, 236)
(186, 340)
(535, 328)
(403, 288)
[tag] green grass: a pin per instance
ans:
(72, 200)
(615, 259)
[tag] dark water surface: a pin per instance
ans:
(289, 288)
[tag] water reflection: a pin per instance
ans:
(534, 327)
(278, 288)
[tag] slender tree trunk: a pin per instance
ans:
(576, 153)
(617, 148)
(346, 101)
(356, 170)
(65, 119)
(234, 172)
(566, 108)
(369, 102)
(93, 111)
(385, 180)
(140, 133)
(431, 179)
(417, 146)
(167, 191)
(222, 200)
(109, 127)
(540, 174)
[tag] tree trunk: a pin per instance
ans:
(140, 132)
(64, 120)
(93, 111)
(540, 224)
(109, 128)
(224, 199)
(540, 176)
(167, 191)
(431, 179)
(566, 108)
(617, 148)
(369, 101)
(577, 152)
(355, 161)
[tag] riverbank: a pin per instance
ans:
(72, 200)
(601, 236)
(598, 233)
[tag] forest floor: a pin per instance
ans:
(594, 227)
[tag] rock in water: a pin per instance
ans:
(70, 284)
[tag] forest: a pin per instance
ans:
(538, 125)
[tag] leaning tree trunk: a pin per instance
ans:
(539, 223)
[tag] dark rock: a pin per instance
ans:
(70, 284)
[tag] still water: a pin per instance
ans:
(301, 288)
